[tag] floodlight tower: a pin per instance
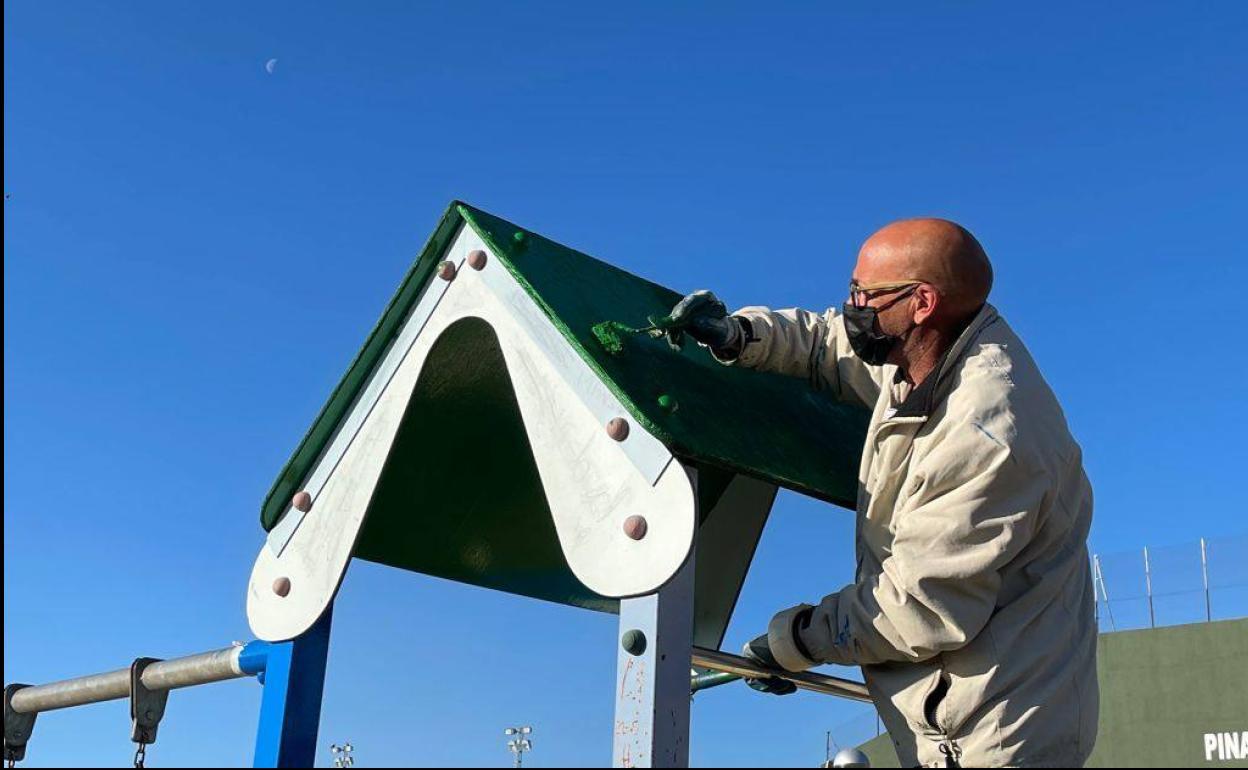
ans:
(519, 742)
(342, 754)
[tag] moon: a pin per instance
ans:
(270, 65)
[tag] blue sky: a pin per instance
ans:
(195, 248)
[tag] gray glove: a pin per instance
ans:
(759, 651)
(706, 319)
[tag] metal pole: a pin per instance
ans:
(733, 668)
(1204, 572)
(713, 679)
(1148, 590)
(745, 668)
(204, 668)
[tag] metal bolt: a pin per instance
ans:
(519, 238)
(281, 587)
(302, 501)
(476, 260)
(633, 642)
(446, 270)
(617, 428)
(667, 403)
(635, 527)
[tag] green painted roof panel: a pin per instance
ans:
(772, 427)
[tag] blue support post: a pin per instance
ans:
(290, 712)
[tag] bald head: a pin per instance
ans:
(935, 251)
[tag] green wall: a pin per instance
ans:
(1162, 691)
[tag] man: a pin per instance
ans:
(971, 613)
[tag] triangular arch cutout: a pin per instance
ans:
(462, 457)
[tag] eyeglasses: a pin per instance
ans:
(861, 294)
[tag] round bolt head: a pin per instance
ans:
(519, 237)
(446, 270)
(617, 428)
(633, 641)
(476, 259)
(635, 527)
(302, 501)
(281, 587)
(667, 403)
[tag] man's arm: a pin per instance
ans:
(799, 343)
(939, 587)
(793, 342)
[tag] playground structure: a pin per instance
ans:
(498, 429)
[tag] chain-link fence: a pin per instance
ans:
(1194, 582)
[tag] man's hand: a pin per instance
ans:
(705, 317)
(759, 651)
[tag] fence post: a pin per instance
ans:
(1148, 590)
(1096, 583)
(1100, 578)
(1204, 573)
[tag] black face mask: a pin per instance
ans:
(862, 326)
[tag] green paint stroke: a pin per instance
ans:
(611, 335)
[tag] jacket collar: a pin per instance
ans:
(923, 399)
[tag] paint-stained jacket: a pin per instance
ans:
(972, 611)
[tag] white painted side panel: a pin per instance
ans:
(366, 401)
(592, 482)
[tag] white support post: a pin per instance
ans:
(652, 676)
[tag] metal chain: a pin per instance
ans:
(140, 755)
(10, 762)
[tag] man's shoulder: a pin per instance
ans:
(999, 392)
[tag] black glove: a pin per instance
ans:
(759, 651)
(705, 317)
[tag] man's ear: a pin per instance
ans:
(926, 304)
